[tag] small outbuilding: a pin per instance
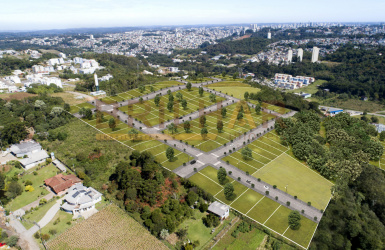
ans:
(219, 209)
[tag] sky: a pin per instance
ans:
(55, 14)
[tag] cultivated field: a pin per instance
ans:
(148, 113)
(232, 127)
(111, 228)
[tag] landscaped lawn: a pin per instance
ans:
(304, 234)
(38, 214)
(37, 183)
(279, 220)
(263, 210)
(301, 181)
(206, 184)
(238, 190)
(61, 222)
(244, 203)
(234, 88)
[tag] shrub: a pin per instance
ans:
(276, 198)
(275, 186)
(294, 219)
(42, 201)
(36, 235)
(295, 196)
(29, 188)
(230, 172)
(239, 178)
(267, 192)
(303, 211)
(309, 203)
(28, 183)
(52, 231)
(252, 185)
(259, 179)
(288, 203)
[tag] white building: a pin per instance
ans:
(269, 35)
(62, 55)
(290, 56)
(80, 199)
(39, 69)
(55, 61)
(219, 209)
(38, 78)
(289, 82)
(300, 54)
(32, 153)
(315, 54)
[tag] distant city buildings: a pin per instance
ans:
(315, 54)
(290, 56)
(269, 35)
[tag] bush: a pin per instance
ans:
(294, 220)
(42, 201)
(36, 235)
(267, 192)
(52, 231)
(275, 186)
(29, 188)
(12, 241)
(288, 203)
(28, 183)
(309, 203)
(276, 198)
(45, 237)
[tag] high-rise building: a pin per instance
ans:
(92, 37)
(300, 54)
(254, 27)
(290, 56)
(96, 82)
(269, 35)
(314, 56)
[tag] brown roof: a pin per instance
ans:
(61, 182)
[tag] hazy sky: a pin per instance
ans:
(55, 14)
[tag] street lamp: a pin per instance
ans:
(286, 187)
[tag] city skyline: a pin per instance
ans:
(41, 14)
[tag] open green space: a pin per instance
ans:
(279, 220)
(85, 105)
(262, 211)
(304, 234)
(205, 183)
(311, 88)
(133, 93)
(244, 203)
(150, 114)
(300, 181)
(233, 88)
(232, 127)
(60, 222)
(37, 183)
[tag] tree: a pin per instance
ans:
(157, 100)
(142, 88)
(133, 134)
(170, 98)
(246, 95)
(204, 133)
(12, 241)
(294, 220)
(13, 132)
(382, 136)
(184, 104)
(229, 191)
(200, 76)
(14, 189)
(213, 97)
(170, 154)
(258, 109)
(164, 234)
(374, 119)
(187, 126)
(201, 91)
(247, 153)
(240, 116)
(179, 95)
(202, 120)
(224, 111)
(220, 126)
(188, 86)
(191, 198)
(112, 123)
(235, 75)
(88, 114)
(170, 106)
(67, 107)
(39, 104)
(222, 176)
(224, 74)
(172, 128)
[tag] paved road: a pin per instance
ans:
(21, 231)
(213, 158)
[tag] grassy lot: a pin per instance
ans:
(151, 115)
(232, 127)
(61, 222)
(204, 79)
(311, 89)
(262, 211)
(233, 88)
(279, 220)
(69, 98)
(37, 183)
(245, 202)
(250, 240)
(304, 234)
(207, 179)
(299, 179)
(38, 214)
(354, 104)
(110, 228)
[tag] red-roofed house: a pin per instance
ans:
(60, 182)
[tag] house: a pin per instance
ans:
(25, 148)
(219, 209)
(61, 183)
(33, 159)
(80, 199)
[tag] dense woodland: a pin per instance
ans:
(42, 113)
(342, 152)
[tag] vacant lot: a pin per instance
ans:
(110, 228)
(233, 88)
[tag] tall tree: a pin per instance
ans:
(170, 153)
(222, 176)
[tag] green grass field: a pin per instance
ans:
(38, 214)
(311, 89)
(234, 88)
(232, 127)
(301, 181)
(148, 113)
